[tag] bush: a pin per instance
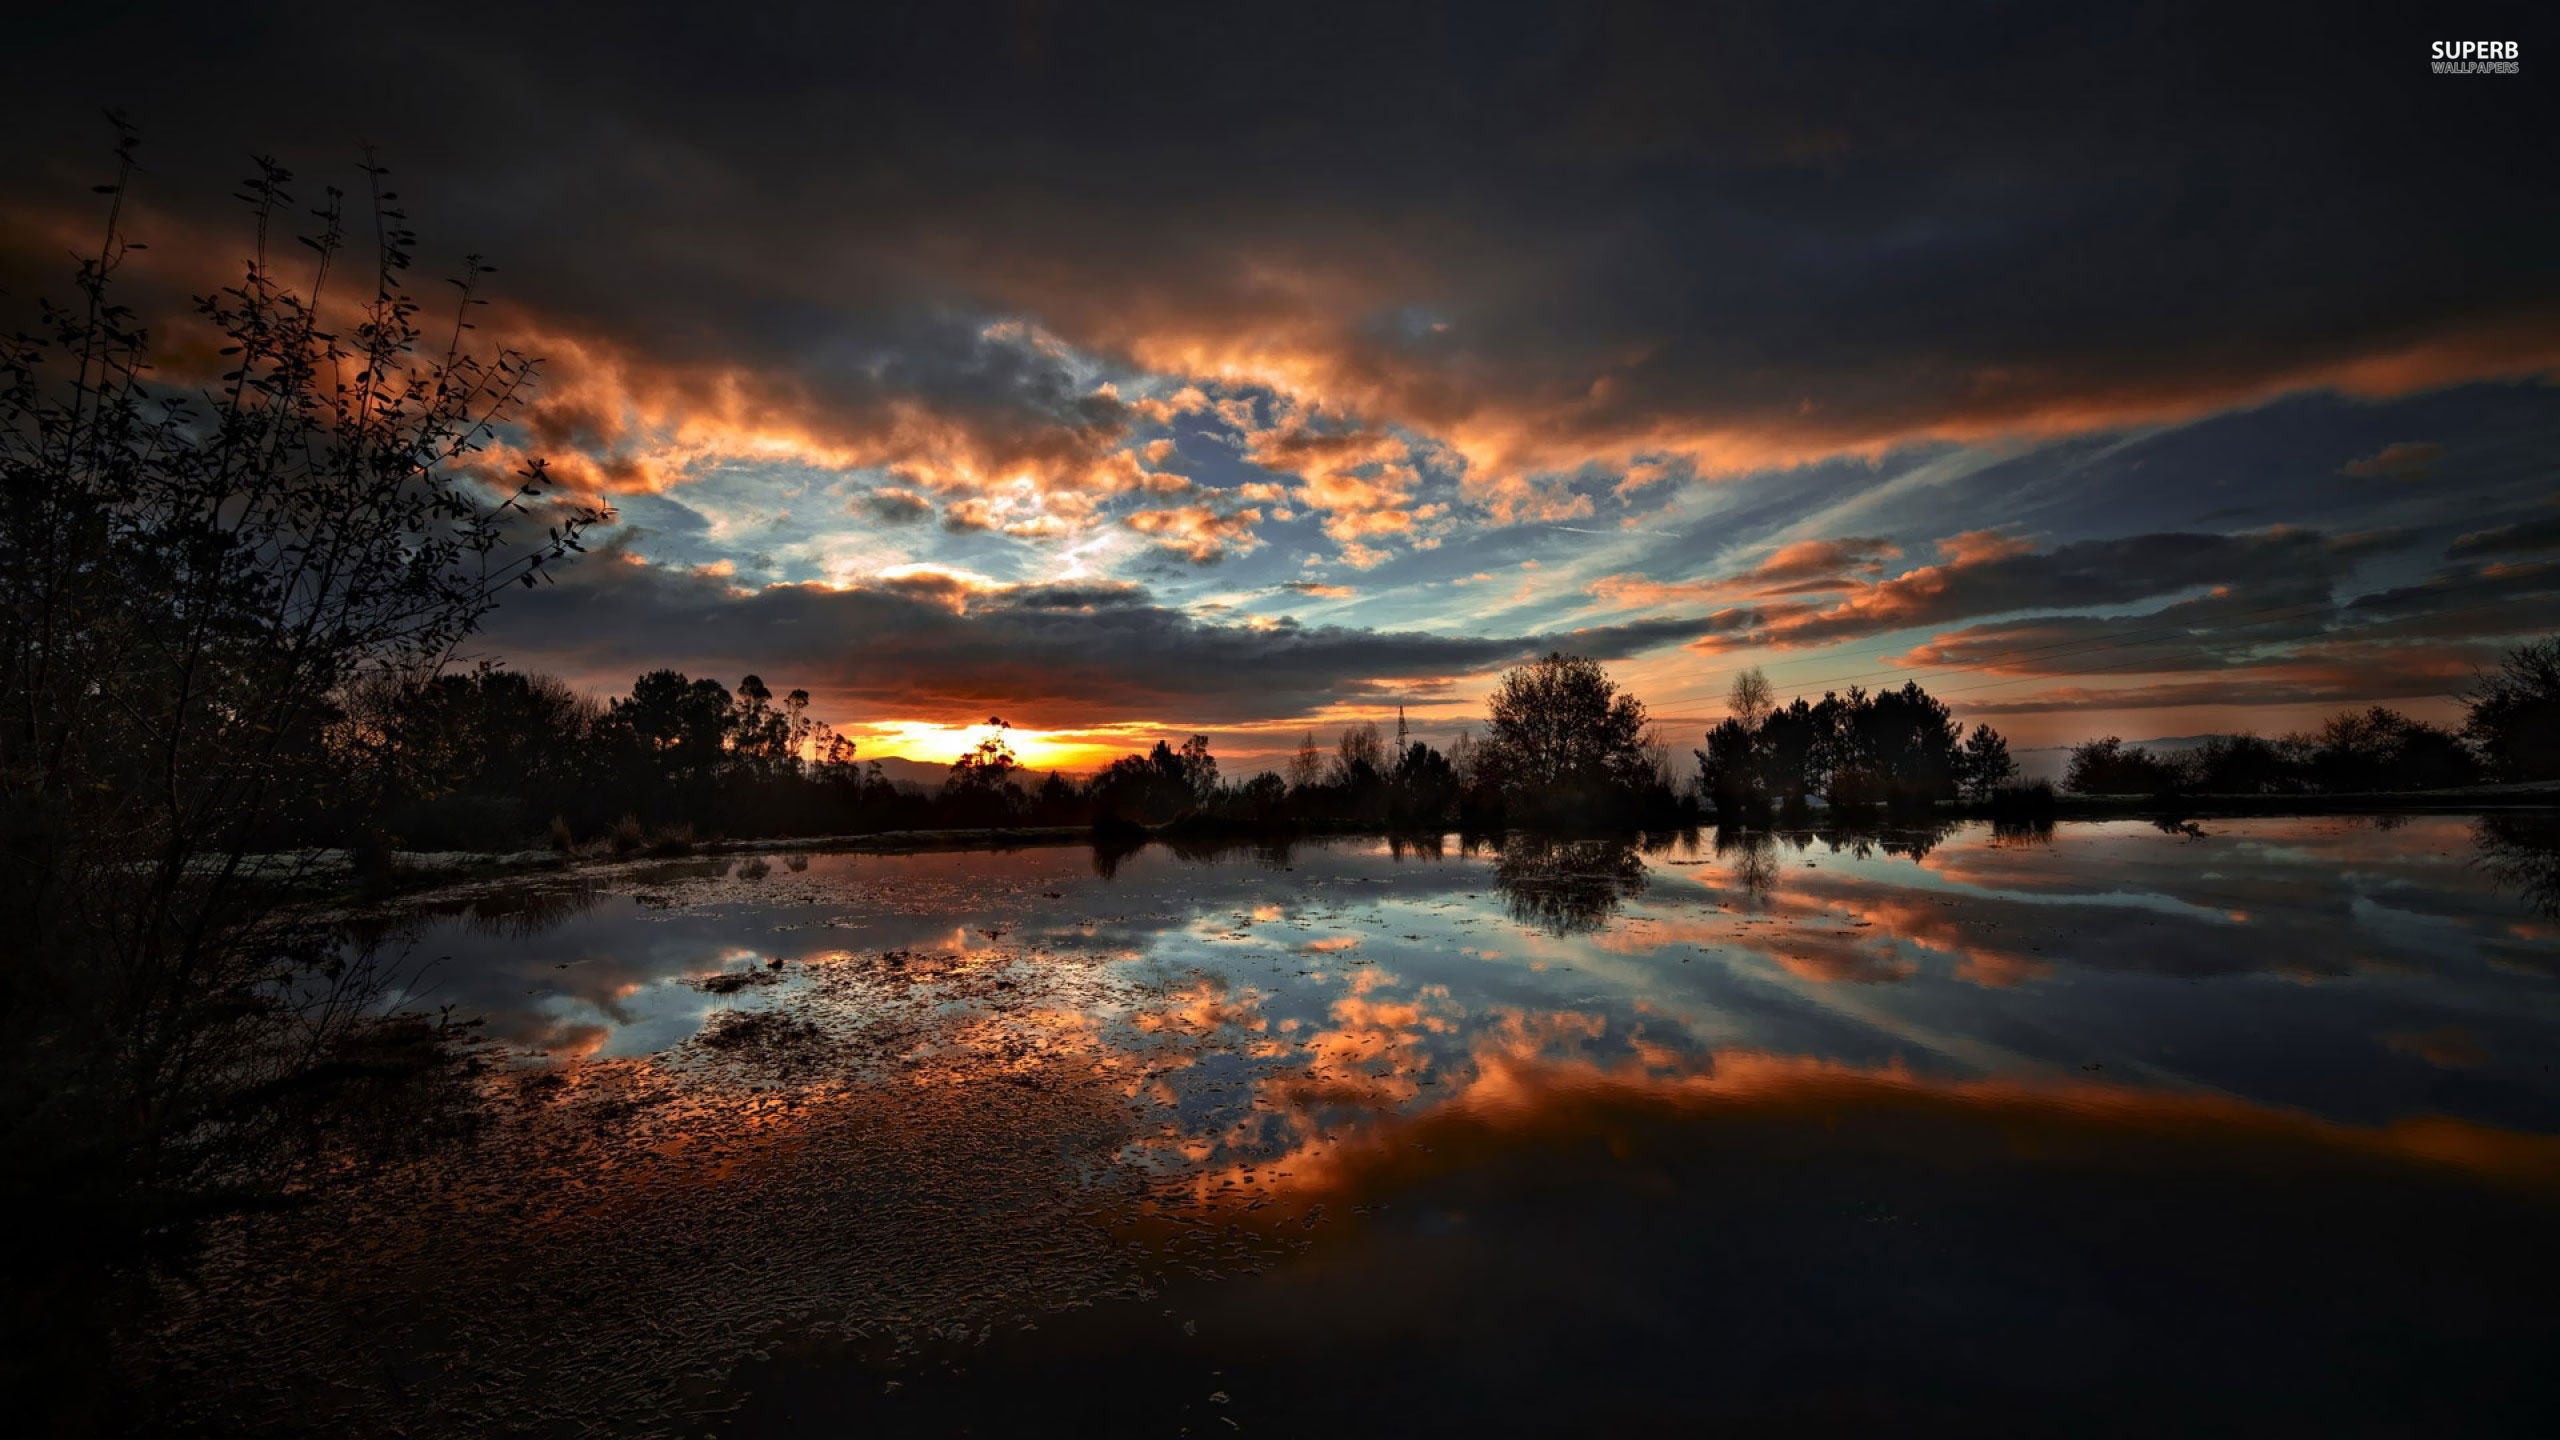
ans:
(2024, 802)
(2109, 767)
(2382, 749)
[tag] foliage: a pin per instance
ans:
(2245, 764)
(1985, 765)
(2109, 767)
(1898, 748)
(981, 788)
(1751, 698)
(2514, 722)
(1164, 784)
(2382, 749)
(202, 579)
(2523, 853)
(2361, 751)
(1566, 886)
(1564, 744)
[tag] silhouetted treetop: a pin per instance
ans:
(2514, 722)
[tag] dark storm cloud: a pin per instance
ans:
(2211, 632)
(1421, 259)
(926, 644)
(2533, 534)
(894, 506)
(2277, 641)
(1741, 231)
(1984, 573)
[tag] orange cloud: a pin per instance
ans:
(1800, 567)
(1199, 533)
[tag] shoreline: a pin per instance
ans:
(417, 871)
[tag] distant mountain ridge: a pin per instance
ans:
(899, 770)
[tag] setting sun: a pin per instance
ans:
(941, 744)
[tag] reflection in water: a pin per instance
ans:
(2093, 1124)
(2523, 851)
(1752, 856)
(1566, 887)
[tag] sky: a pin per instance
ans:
(1133, 371)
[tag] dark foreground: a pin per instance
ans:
(2246, 1127)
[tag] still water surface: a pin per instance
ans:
(2118, 1130)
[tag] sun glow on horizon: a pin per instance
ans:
(935, 744)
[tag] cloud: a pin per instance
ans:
(1954, 237)
(2533, 534)
(2405, 461)
(895, 506)
(1616, 262)
(1200, 534)
(1799, 567)
(1985, 573)
(930, 642)
(2266, 686)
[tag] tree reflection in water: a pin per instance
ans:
(1752, 857)
(1566, 887)
(2523, 852)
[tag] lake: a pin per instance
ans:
(2120, 1128)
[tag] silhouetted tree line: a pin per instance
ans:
(492, 757)
(1901, 751)
(1896, 750)
(2510, 734)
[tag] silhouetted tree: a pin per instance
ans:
(1985, 765)
(1360, 757)
(1750, 699)
(2382, 749)
(2514, 722)
(1422, 789)
(197, 573)
(1307, 766)
(981, 787)
(1568, 744)
(1161, 785)
(2109, 767)
(1263, 800)
(1901, 748)
(2245, 764)
(1898, 747)
(1729, 770)
(468, 760)
(761, 733)
(678, 727)
(1196, 768)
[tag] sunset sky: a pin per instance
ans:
(1128, 376)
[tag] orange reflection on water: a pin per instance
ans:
(1528, 1081)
